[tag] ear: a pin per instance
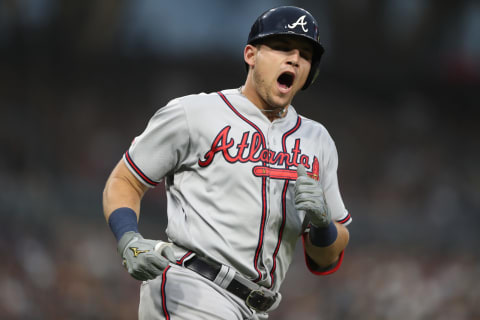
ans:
(249, 54)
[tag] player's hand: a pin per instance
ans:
(309, 197)
(144, 259)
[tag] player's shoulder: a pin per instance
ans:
(319, 131)
(187, 99)
(200, 99)
(311, 124)
(198, 105)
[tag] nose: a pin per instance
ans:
(294, 57)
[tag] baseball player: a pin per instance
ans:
(245, 177)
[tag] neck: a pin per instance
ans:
(272, 113)
(275, 113)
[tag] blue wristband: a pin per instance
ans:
(123, 220)
(323, 237)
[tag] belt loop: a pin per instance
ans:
(224, 277)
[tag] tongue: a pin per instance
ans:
(283, 88)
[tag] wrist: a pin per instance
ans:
(323, 236)
(127, 238)
(121, 221)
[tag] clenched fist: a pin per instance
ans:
(310, 198)
(144, 259)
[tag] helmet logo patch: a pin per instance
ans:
(301, 21)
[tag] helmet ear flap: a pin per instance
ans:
(314, 71)
(290, 20)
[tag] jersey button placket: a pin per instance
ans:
(267, 164)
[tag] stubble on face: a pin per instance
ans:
(265, 90)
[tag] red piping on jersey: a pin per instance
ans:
(345, 220)
(138, 171)
(284, 203)
(180, 261)
(164, 296)
(280, 233)
(264, 187)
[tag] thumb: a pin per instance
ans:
(301, 171)
(165, 249)
(168, 253)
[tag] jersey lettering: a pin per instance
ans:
(250, 150)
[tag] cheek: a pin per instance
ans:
(264, 71)
(268, 64)
(305, 72)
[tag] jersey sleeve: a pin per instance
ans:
(329, 181)
(162, 146)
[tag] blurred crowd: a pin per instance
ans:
(400, 102)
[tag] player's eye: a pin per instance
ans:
(306, 54)
(280, 47)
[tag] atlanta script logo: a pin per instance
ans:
(250, 149)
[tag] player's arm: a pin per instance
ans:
(326, 239)
(143, 258)
(317, 245)
(122, 189)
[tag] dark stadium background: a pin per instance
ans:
(398, 91)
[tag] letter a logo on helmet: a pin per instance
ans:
(301, 21)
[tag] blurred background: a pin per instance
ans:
(398, 91)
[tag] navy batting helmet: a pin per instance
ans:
(289, 20)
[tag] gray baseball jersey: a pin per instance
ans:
(230, 174)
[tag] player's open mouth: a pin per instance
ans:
(285, 81)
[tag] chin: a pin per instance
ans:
(280, 102)
(285, 98)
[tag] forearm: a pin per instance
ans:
(326, 256)
(122, 190)
(122, 195)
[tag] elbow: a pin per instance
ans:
(105, 202)
(342, 240)
(345, 236)
(325, 257)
